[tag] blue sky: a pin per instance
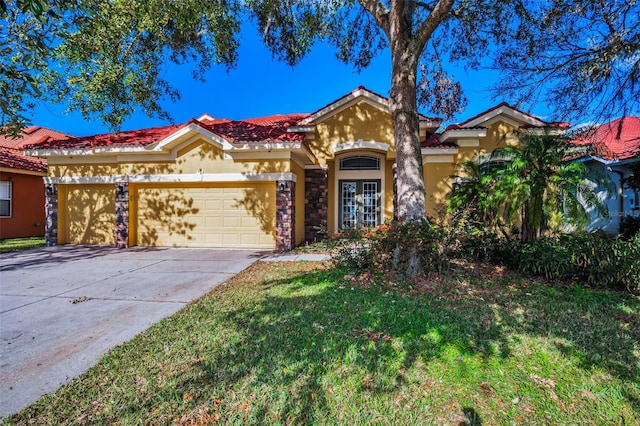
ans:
(261, 86)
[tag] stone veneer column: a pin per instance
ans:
(316, 204)
(51, 214)
(285, 214)
(122, 214)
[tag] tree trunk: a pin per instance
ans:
(404, 113)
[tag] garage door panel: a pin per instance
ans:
(208, 216)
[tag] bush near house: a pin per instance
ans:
(629, 227)
(591, 259)
(388, 247)
(586, 259)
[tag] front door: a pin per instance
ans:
(359, 203)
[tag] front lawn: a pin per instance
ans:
(299, 343)
(18, 244)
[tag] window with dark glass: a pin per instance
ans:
(5, 199)
(360, 163)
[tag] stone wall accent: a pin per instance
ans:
(285, 214)
(316, 204)
(51, 214)
(122, 214)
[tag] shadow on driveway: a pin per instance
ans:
(63, 307)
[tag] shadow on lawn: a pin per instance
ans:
(372, 330)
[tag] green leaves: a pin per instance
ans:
(594, 260)
(529, 185)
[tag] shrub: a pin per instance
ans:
(595, 260)
(471, 240)
(389, 248)
(629, 227)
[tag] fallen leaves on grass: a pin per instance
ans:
(204, 414)
(373, 336)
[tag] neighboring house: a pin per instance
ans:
(611, 148)
(22, 198)
(271, 182)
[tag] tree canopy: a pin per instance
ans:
(581, 57)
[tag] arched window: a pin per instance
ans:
(360, 162)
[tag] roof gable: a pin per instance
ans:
(361, 94)
(502, 110)
(476, 126)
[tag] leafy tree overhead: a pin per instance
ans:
(28, 29)
(582, 57)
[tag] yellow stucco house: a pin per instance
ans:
(271, 182)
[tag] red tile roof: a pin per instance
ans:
(616, 140)
(31, 136)
(129, 138)
(263, 129)
(15, 159)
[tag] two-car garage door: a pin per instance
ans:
(188, 215)
(223, 215)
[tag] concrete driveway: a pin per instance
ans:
(62, 308)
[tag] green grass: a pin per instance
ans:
(299, 344)
(18, 244)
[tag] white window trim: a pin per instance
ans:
(10, 199)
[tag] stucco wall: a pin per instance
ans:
(28, 216)
(360, 121)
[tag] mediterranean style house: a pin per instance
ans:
(272, 182)
(21, 191)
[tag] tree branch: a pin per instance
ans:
(437, 15)
(379, 12)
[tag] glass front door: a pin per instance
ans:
(359, 203)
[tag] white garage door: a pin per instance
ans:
(221, 215)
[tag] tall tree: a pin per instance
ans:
(109, 55)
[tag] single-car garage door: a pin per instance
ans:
(88, 214)
(213, 215)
